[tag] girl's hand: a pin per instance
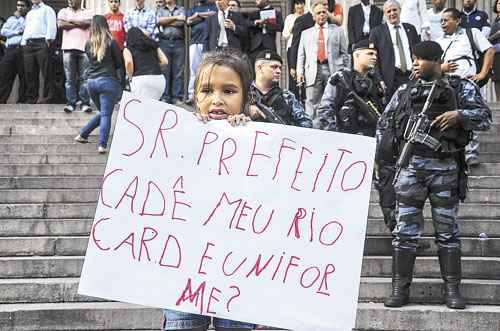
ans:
(202, 117)
(239, 119)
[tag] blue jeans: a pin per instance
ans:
(174, 74)
(105, 93)
(178, 320)
(75, 64)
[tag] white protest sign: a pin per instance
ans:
(260, 223)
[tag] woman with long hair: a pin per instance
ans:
(143, 62)
(105, 80)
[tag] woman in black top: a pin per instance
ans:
(105, 79)
(143, 62)
(495, 41)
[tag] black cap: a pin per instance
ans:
(363, 44)
(428, 50)
(269, 55)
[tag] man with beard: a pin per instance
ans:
(270, 103)
(426, 125)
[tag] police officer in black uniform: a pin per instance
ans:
(353, 99)
(269, 102)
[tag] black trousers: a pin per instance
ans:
(11, 66)
(37, 58)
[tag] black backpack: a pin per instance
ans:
(478, 59)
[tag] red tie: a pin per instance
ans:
(321, 46)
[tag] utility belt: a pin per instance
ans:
(426, 152)
(36, 42)
(171, 38)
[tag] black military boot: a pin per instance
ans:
(451, 271)
(403, 261)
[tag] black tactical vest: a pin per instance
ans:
(452, 139)
(275, 99)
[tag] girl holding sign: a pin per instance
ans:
(220, 93)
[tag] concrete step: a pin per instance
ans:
(18, 170)
(42, 290)
(85, 182)
(381, 245)
(43, 246)
(78, 316)
(468, 228)
(374, 316)
(26, 227)
(90, 195)
(49, 196)
(80, 159)
(76, 245)
(429, 290)
(36, 130)
(474, 195)
(428, 267)
(372, 289)
(45, 138)
(52, 182)
(122, 316)
(485, 169)
(373, 266)
(45, 227)
(62, 148)
(87, 210)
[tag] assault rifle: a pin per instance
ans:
(417, 131)
(366, 108)
(268, 112)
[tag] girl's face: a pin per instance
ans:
(219, 92)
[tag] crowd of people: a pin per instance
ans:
(407, 75)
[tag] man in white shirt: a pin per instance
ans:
(458, 59)
(435, 14)
(415, 13)
(40, 32)
(322, 51)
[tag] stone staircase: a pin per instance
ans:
(48, 192)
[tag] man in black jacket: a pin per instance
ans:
(361, 19)
(226, 28)
(394, 41)
(264, 23)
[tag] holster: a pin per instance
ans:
(463, 175)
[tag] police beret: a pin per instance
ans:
(428, 50)
(269, 55)
(363, 44)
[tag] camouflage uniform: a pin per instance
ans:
(435, 179)
(434, 175)
(280, 106)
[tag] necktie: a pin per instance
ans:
(321, 45)
(399, 44)
(222, 34)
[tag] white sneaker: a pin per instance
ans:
(86, 109)
(69, 109)
(81, 140)
(101, 150)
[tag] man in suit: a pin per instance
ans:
(394, 41)
(263, 31)
(361, 19)
(225, 29)
(322, 52)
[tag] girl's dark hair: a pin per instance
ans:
(495, 7)
(230, 58)
(138, 40)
